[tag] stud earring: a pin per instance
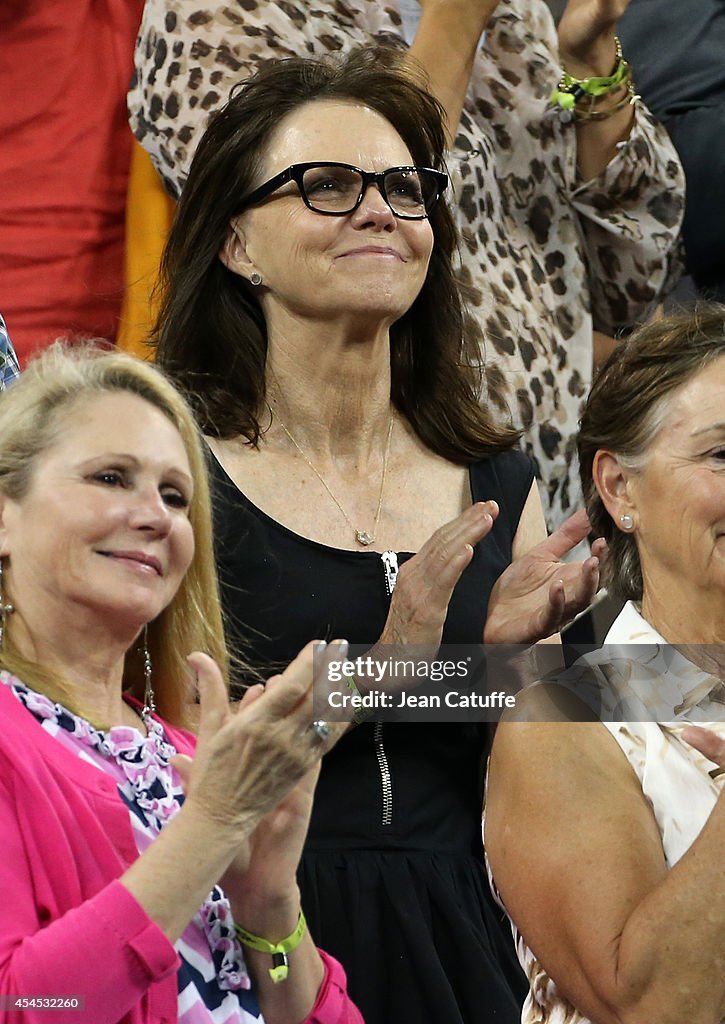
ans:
(255, 279)
(5, 609)
(149, 697)
(626, 522)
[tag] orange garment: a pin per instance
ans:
(149, 213)
(64, 161)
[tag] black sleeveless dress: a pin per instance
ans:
(392, 878)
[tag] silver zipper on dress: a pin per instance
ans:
(385, 780)
(390, 565)
(390, 562)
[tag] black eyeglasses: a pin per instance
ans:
(335, 189)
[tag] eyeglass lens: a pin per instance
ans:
(332, 189)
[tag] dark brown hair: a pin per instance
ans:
(626, 408)
(211, 334)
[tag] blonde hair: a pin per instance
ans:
(63, 376)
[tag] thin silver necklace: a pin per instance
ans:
(361, 536)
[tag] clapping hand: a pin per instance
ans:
(426, 582)
(539, 594)
(256, 762)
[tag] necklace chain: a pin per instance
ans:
(361, 536)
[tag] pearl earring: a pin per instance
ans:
(255, 279)
(626, 522)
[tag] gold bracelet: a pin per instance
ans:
(591, 114)
(571, 91)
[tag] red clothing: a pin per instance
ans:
(67, 925)
(64, 162)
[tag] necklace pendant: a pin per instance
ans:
(363, 537)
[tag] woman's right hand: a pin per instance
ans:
(425, 583)
(249, 759)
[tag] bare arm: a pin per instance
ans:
(587, 50)
(447, 40)
(445, 44)
(245, 819)
(578, 860)
(266, 901)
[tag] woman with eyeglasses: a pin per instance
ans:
(570, 218)
(312, 317)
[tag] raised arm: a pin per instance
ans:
(445, 44)
(633, 200)
(621, 208)
(587, 50)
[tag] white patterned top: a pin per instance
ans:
(674, 777)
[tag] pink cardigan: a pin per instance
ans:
(67, 925)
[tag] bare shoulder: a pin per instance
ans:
(243, 464)
(553, 754)
(229, 451)
(562, 795)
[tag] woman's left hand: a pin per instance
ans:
(267, 883)
(586, 36)
(539, 594)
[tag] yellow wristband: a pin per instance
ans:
(278, 950)
(360, 714)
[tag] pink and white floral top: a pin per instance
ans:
(214, 986)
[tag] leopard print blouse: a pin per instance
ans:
(545, 257)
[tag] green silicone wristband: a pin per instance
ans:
(278, 950)
(570, 89)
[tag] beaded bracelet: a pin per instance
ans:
(278, 950)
